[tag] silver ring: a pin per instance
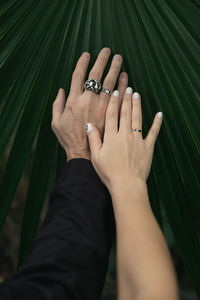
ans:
(93, 85)
(108, 92)
(138, 130)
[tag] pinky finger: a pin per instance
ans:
(154, 130)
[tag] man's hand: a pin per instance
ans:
(69, 119)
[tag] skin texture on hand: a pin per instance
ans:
(144, 266)
(70, 117)
(123, 155)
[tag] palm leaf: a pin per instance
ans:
(159, 40)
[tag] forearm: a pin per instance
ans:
(69, 254)
(144, 264)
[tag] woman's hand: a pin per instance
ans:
(69, 119)
(124, 155)
(144, 267)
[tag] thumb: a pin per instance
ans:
(94, 139)
(58, 105)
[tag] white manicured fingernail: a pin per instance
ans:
(136, 96)
(129, 90)
(89, 127)
(116, 93)
(160, 114)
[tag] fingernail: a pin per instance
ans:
(86, 55)
(59, 91)
(106, 50)
(129, 90)
(123, 75)
(88, 127)
(117, 57)
(116, 93)
(136, 96)
(160, 114)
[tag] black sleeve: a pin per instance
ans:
(70, 253)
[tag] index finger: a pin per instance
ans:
(79, 74)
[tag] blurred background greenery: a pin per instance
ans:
(40, 43)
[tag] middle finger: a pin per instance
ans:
(99, 66)
(110, 80)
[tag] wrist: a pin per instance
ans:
(128, 184)
(77, 154)
(130, 193)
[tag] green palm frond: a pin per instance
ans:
(159, 40)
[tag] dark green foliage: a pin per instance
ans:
(159, 40)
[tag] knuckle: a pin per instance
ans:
(70, 103)
(90, 96)
(53, 125)
(77, 75)
(108, 82)
(126, 97)
(111, 114)
(124, 113)
(138, 119)
(94, 74)
(114, 101)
